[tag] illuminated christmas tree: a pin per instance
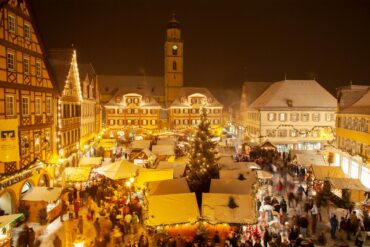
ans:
(202, 165)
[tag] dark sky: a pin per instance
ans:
(225, 42)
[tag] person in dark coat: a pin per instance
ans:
(334, 226)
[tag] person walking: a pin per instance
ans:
(314, 214)
(360, 237)
(342, 228)
(303, 224)
(333, 225)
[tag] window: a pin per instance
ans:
(294, 117)
(177, 121)
(355, 167)
(38, 68)
(38, 106)
(9, 103)
(174, 65)
(293, 133)
(315, 133)
(129, 101)
(48, 108)
(144, 122)
(27, 31)
(185, 121)
(282, 133)
(10, 60)
(271, 116)
(25, 106)
(185, 111)
(129, 121)
(316, 117)
(145, 111)
(303, 133)
(48, 140)
(305, 117)
(37, 141)
(136, 111)
(111, 122)
(24, 145)
(11, 24)
(282, 117)
(216, 121)
(329, 117)
(153, 122)
(270, 133)
(26, 65)
(193, 121)
(365, 176)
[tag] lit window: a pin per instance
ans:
(37, 142)
(24, 145)
(177, 121)
(185, 111)
(271, 116)
(316, 117)
(10, 60)
(282, 117)
(48, 108)
(27, 31)
(111, 122)
(26, 65)
(193, 121)
(11, 24)
(329, 117)
(186, 121)
(9, 105)
(129, 121)
(25, 106)
(270, 133)
(293, 133)
(38, 68)
(48, 140)
(145, 111)
(282, 133)
(153, 122)
(145, 122)
(305, 117)
(38, 106)
(136, 111)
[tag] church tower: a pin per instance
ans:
(173, 61)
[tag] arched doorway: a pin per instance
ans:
(44, 180)
(7, 202)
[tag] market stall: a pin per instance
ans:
(166, 187)
(239, 174)
(172, 209)
(178, 168)
(268, 146)
(229, 208)
(143, 157)
(151, 175)
(7, 222)
(231, 186)
(323, 172)
(349, 187)
(109, 146)
(308, 159)
(90, 162)
(43, 203)
(141, 144)
(118, 170)
(163, 150)
(76, 174)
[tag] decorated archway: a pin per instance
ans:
(8, 201)
(44, 180)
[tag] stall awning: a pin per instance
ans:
(151, 175)
(231, 186)
(172, 209)
(323, 172)
(45, 194)
(93, 161)
(178, 168)
(171, 186)
(264, 174)
(310, 159)
(140, 144)
(118, 170)
(348, 183)
(10, 219)
(218, 208)
(77, 174)
(163, 150)
(239, 174)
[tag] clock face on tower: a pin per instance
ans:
(174, 47)
(174, 50)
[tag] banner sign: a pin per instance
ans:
(9, 147)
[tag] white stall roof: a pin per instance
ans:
(42, 194)
(140, 144)
(163, 150)
(178, 168)
(231, 186)
(310, 159)
(93, 161)
(118, 170)
(171, 186)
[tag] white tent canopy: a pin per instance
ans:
(151, 175)
(178, 168)
(215, 208)
(42, 194)
(140, 144)
(93, 161)
(6, 220)
(236, 174)
(165, 187)
(231, 186)
(118, 170)
(310, 159)
(163, 150)
(172, 209)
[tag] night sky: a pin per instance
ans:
(225, 42)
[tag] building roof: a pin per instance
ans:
(348, 95)
(60, 62)
(361, 106)
(144, 92)
(109, 84)
(185, 92)
(295, 94)
(86, 69)
(251, 90)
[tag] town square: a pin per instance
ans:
(138, 123)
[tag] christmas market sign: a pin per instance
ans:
(9, 148)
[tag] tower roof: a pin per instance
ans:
(173, 23)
